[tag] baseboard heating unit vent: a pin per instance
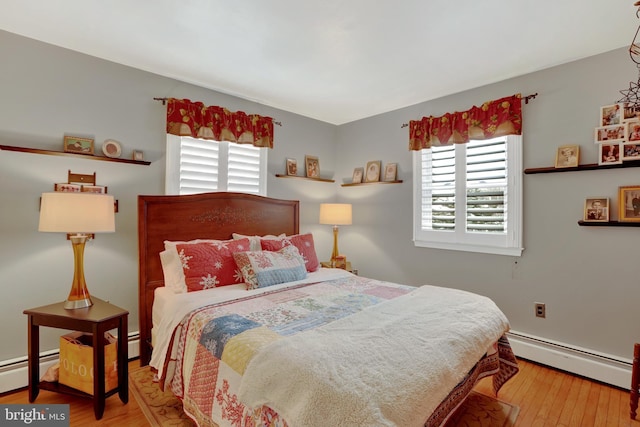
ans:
(591, 364)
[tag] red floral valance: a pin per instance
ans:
(492, 119)
(186, 118)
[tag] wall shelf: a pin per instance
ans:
(62, 153)
(398, 181)
(304, 177)
(608, 224)
(585, 167)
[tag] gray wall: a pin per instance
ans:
(587, 276)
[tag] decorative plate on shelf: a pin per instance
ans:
(111, 148)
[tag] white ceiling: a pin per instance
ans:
(335, 61)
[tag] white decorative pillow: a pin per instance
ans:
(267, 268)
(255, 240)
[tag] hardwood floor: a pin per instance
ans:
(546, 397)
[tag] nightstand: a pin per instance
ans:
(97, 319)
(327, 264)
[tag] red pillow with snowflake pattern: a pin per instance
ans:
(210, 264)
(304, 243)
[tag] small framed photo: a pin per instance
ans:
(372, 173)
(73, 144)
(614, 133)
(137, 155)
(98, 189)
(68, 188)
(312, 166)
(632, 130)
(390, 172)
(609, 154)
(630, 112)
(596, 209)
(567, 156)
(292, 167)
(630, 151)
(357, 175)
(611, 114)
(629, 203)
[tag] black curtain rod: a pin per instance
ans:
(526, 101)
(164, 102)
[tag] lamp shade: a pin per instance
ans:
(77, 213)
(335, 213)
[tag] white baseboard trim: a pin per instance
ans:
(14, 373)
(601, 367)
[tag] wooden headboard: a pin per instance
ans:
(198, 216)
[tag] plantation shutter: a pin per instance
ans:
(486, 182)
(206, 166)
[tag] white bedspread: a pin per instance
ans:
(310, 380)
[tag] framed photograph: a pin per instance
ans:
(292, 167)
(567, 156)
(372, 173)
(94, 189)
(390, 172)
(73, 144)
(357, 175)
(611, 114)
(609, 154)
(596, 209)
(137, 155)
(630, 151)
(632, 130)
(68, 188)
(112, 148)
(615, 133)
(629, 203)
(630, 112)
(313, 166)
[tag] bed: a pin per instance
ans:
(299, 348)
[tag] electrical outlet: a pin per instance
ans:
(541, 310)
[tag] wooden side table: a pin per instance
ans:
(97, 319)
(327, 264)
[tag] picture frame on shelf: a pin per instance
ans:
(609, 154)
(137, 155)
(613, 133)
(372, 172)
(630, 151)
(97, 189)
(68, 188)
(596, 209)
(292, 167)
(390, 172)
(357, 175)
(312, 166)
(77, 145)
(629, 203)
(611, 114)
(567, 156)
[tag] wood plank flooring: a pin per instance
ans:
(546, 397)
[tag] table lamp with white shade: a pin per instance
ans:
(79, 215)
(335, 214)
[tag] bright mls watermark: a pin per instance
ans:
(34, 415)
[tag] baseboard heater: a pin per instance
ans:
(14, 373)
(601, 367)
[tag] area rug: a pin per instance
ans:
(163, 409)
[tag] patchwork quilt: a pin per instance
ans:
(212, 347)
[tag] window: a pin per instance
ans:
(468, 197)
(199, 166)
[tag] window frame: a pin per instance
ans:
(172, 170)
(508, 243)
